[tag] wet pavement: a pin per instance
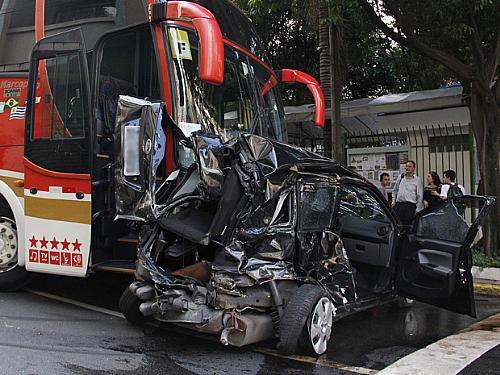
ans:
(378, 337)
(43, 336)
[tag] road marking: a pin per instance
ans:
(304, 359)
(76, 303)
(451, 354)
(322, 362)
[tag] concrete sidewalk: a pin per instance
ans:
(486, 281)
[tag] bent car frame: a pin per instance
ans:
(259, 240)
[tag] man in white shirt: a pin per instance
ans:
(408, 193)
(449, 178)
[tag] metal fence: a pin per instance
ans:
(433, 148)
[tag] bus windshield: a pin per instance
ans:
(247, 102)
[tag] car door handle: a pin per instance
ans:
(436, 270)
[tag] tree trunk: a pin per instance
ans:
(336, 44)
(485, 119)
(324, 71)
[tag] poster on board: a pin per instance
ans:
(372, 165)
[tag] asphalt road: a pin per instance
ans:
(39, 335)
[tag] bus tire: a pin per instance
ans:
(129, 306)
(12, 276)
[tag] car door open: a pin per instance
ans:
(435, 260)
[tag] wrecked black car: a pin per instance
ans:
(260, 240)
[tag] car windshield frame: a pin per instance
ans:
(247, 102)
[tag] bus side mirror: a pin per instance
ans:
(290, 76)
(209, 32)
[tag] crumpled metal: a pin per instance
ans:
(135, 198)
(263, 242)
(323, 256)
(261, 152)
(210, 158)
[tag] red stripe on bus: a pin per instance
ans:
(41, 179)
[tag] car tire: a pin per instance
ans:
(12, 276)
(302, 329)
(129, 306)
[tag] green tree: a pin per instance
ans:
(288, 37)
(365, 62)
(464, 37)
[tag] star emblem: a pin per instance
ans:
(65, 244)
(76, 245)
(54, 243)
(33, 242)
(44, 242)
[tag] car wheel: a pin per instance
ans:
(12, 276)
(129, 306)
(306, 324)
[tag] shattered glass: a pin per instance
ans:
(316, 201)
(448, 223)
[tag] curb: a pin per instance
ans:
(491, 290)
(489, 275)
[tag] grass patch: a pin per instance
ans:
(479, 259)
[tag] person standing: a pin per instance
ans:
(432, 190)
(385, 181)
(451, 188)
(407, 197)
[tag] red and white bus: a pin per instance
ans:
(63, 66)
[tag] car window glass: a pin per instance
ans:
(358, 202)
(316, 206)
(451, 221)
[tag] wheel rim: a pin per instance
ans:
(320, 327)
(8, 245)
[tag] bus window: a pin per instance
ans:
(59, 110)
(127, 67)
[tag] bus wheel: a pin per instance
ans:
(129, 306)
(12, 276)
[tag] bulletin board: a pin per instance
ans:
(371, 162)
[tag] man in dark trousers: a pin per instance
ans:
(407, 196)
